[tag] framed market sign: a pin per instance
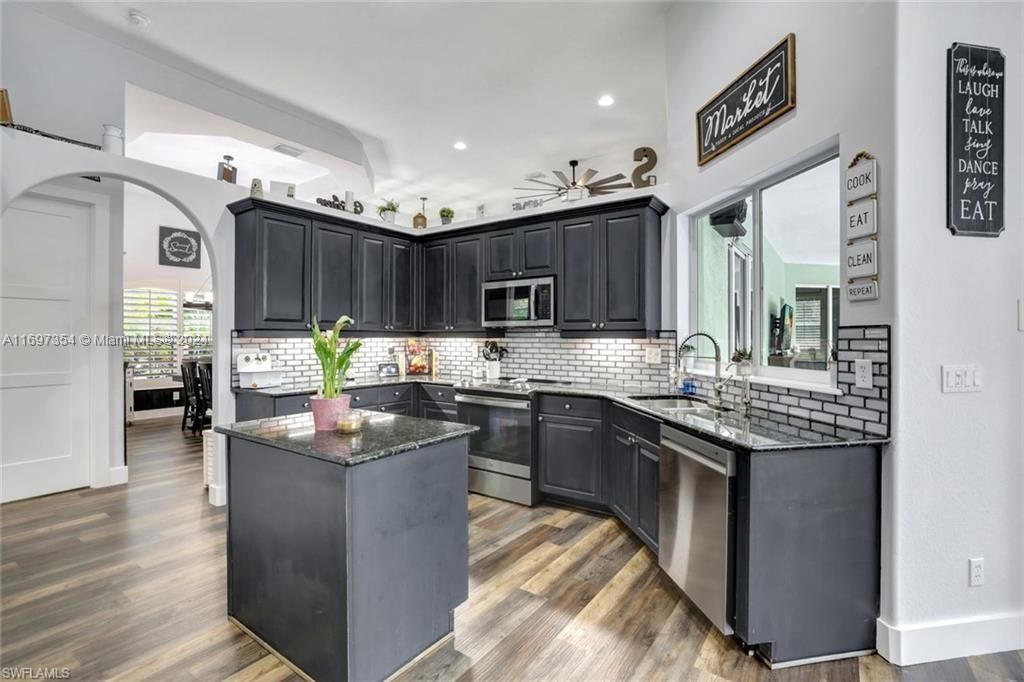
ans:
(975, 180)
(764, 92)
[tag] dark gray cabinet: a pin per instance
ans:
(437, 402)
(577, 284)
(528, 251)
(452, 273)
(385, 283)
(631, 475)
(569, 453)
(335, 279)
(272, 272)
(610, 272)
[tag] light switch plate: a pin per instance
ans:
(961, 379)
(863, 374)
(652, 355)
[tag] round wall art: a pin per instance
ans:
(180, 248)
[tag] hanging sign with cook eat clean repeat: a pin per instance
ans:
(975, 96)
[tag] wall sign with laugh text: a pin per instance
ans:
(760, 95)
(975, 96)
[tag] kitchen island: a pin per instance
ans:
(347, 554)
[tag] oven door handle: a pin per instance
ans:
(492, 402)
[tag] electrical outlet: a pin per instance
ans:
(652, 355)
(961, 378)
(863, 374)
(174, 395)
(977, 567)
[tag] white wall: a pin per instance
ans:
(67, 81)
(844, 89)
(144, 213)
(957, 459)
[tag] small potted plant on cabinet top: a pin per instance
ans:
(446, 215)
(387, 210)
(329, 405)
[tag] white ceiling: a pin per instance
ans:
(801, 216)
(518, 82)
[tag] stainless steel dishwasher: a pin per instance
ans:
(696, 527)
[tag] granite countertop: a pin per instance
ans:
(382, 435)
(728, 428)
(310, 389)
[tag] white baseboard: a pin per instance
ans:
(118, 475)
(941, 640)
(159, 413)
(218, 495)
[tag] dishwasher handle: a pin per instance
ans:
(726, 468)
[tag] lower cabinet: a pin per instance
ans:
(647, 481)
(632, 473)
(621, 474)
(404, 408)
(443, 412)
(570, 457)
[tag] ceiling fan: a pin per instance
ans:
(572, 189)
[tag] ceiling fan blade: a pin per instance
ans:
(542, 182)
(608, 189)
(561, 176)
(537, 189)
(586, 176)
(610, 178)
(537, 196)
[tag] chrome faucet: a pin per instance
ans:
(716, 400)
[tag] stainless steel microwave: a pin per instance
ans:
(519, 303)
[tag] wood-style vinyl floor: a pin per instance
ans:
(129, 583)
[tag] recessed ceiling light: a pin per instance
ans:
(460, 145)
(606, 100)
(138, 19)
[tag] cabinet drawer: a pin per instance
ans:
(437, 393)
(292, 404)
(364, 397)
(638, 424)
(397, 393)
(403, 408)
(571, 405)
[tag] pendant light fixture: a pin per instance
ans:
(419, 221)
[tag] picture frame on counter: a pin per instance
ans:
(760, 95)
(975, 129)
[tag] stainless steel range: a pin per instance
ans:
(501, 452)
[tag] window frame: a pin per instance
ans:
(753, 191)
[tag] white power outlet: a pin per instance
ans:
(961, 378)
(977, 567)
(652, 355)
(174, 395)
(863, 374)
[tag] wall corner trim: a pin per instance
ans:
(945, 639)
(118, 475)
(218, 495)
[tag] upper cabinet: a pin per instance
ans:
(452, 274)
(292, 266)
(527, 251)
(610, 272)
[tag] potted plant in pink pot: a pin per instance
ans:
(329, 405)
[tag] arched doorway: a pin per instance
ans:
(30, 162)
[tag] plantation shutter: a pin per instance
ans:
(197, 326)
(811, 318)
(151, 313)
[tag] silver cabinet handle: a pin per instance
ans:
(593, 325)
(396, 393)
(568, 406)
(305, 404)
(601, 325)
(440, 394)
(309, 325)
(540, 419)
(357, 399)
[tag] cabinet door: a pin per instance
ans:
(577, 294)
(502, 260)
(434, 292)
(334, 273)
(569, 457)
(397, 408)
(284, 272)
(537, 250)
(647, 493)
(622, 476)
(400, 285)
(372, 277)
(467, 257)
(621, 278)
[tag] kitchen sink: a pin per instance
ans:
(670, 403)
